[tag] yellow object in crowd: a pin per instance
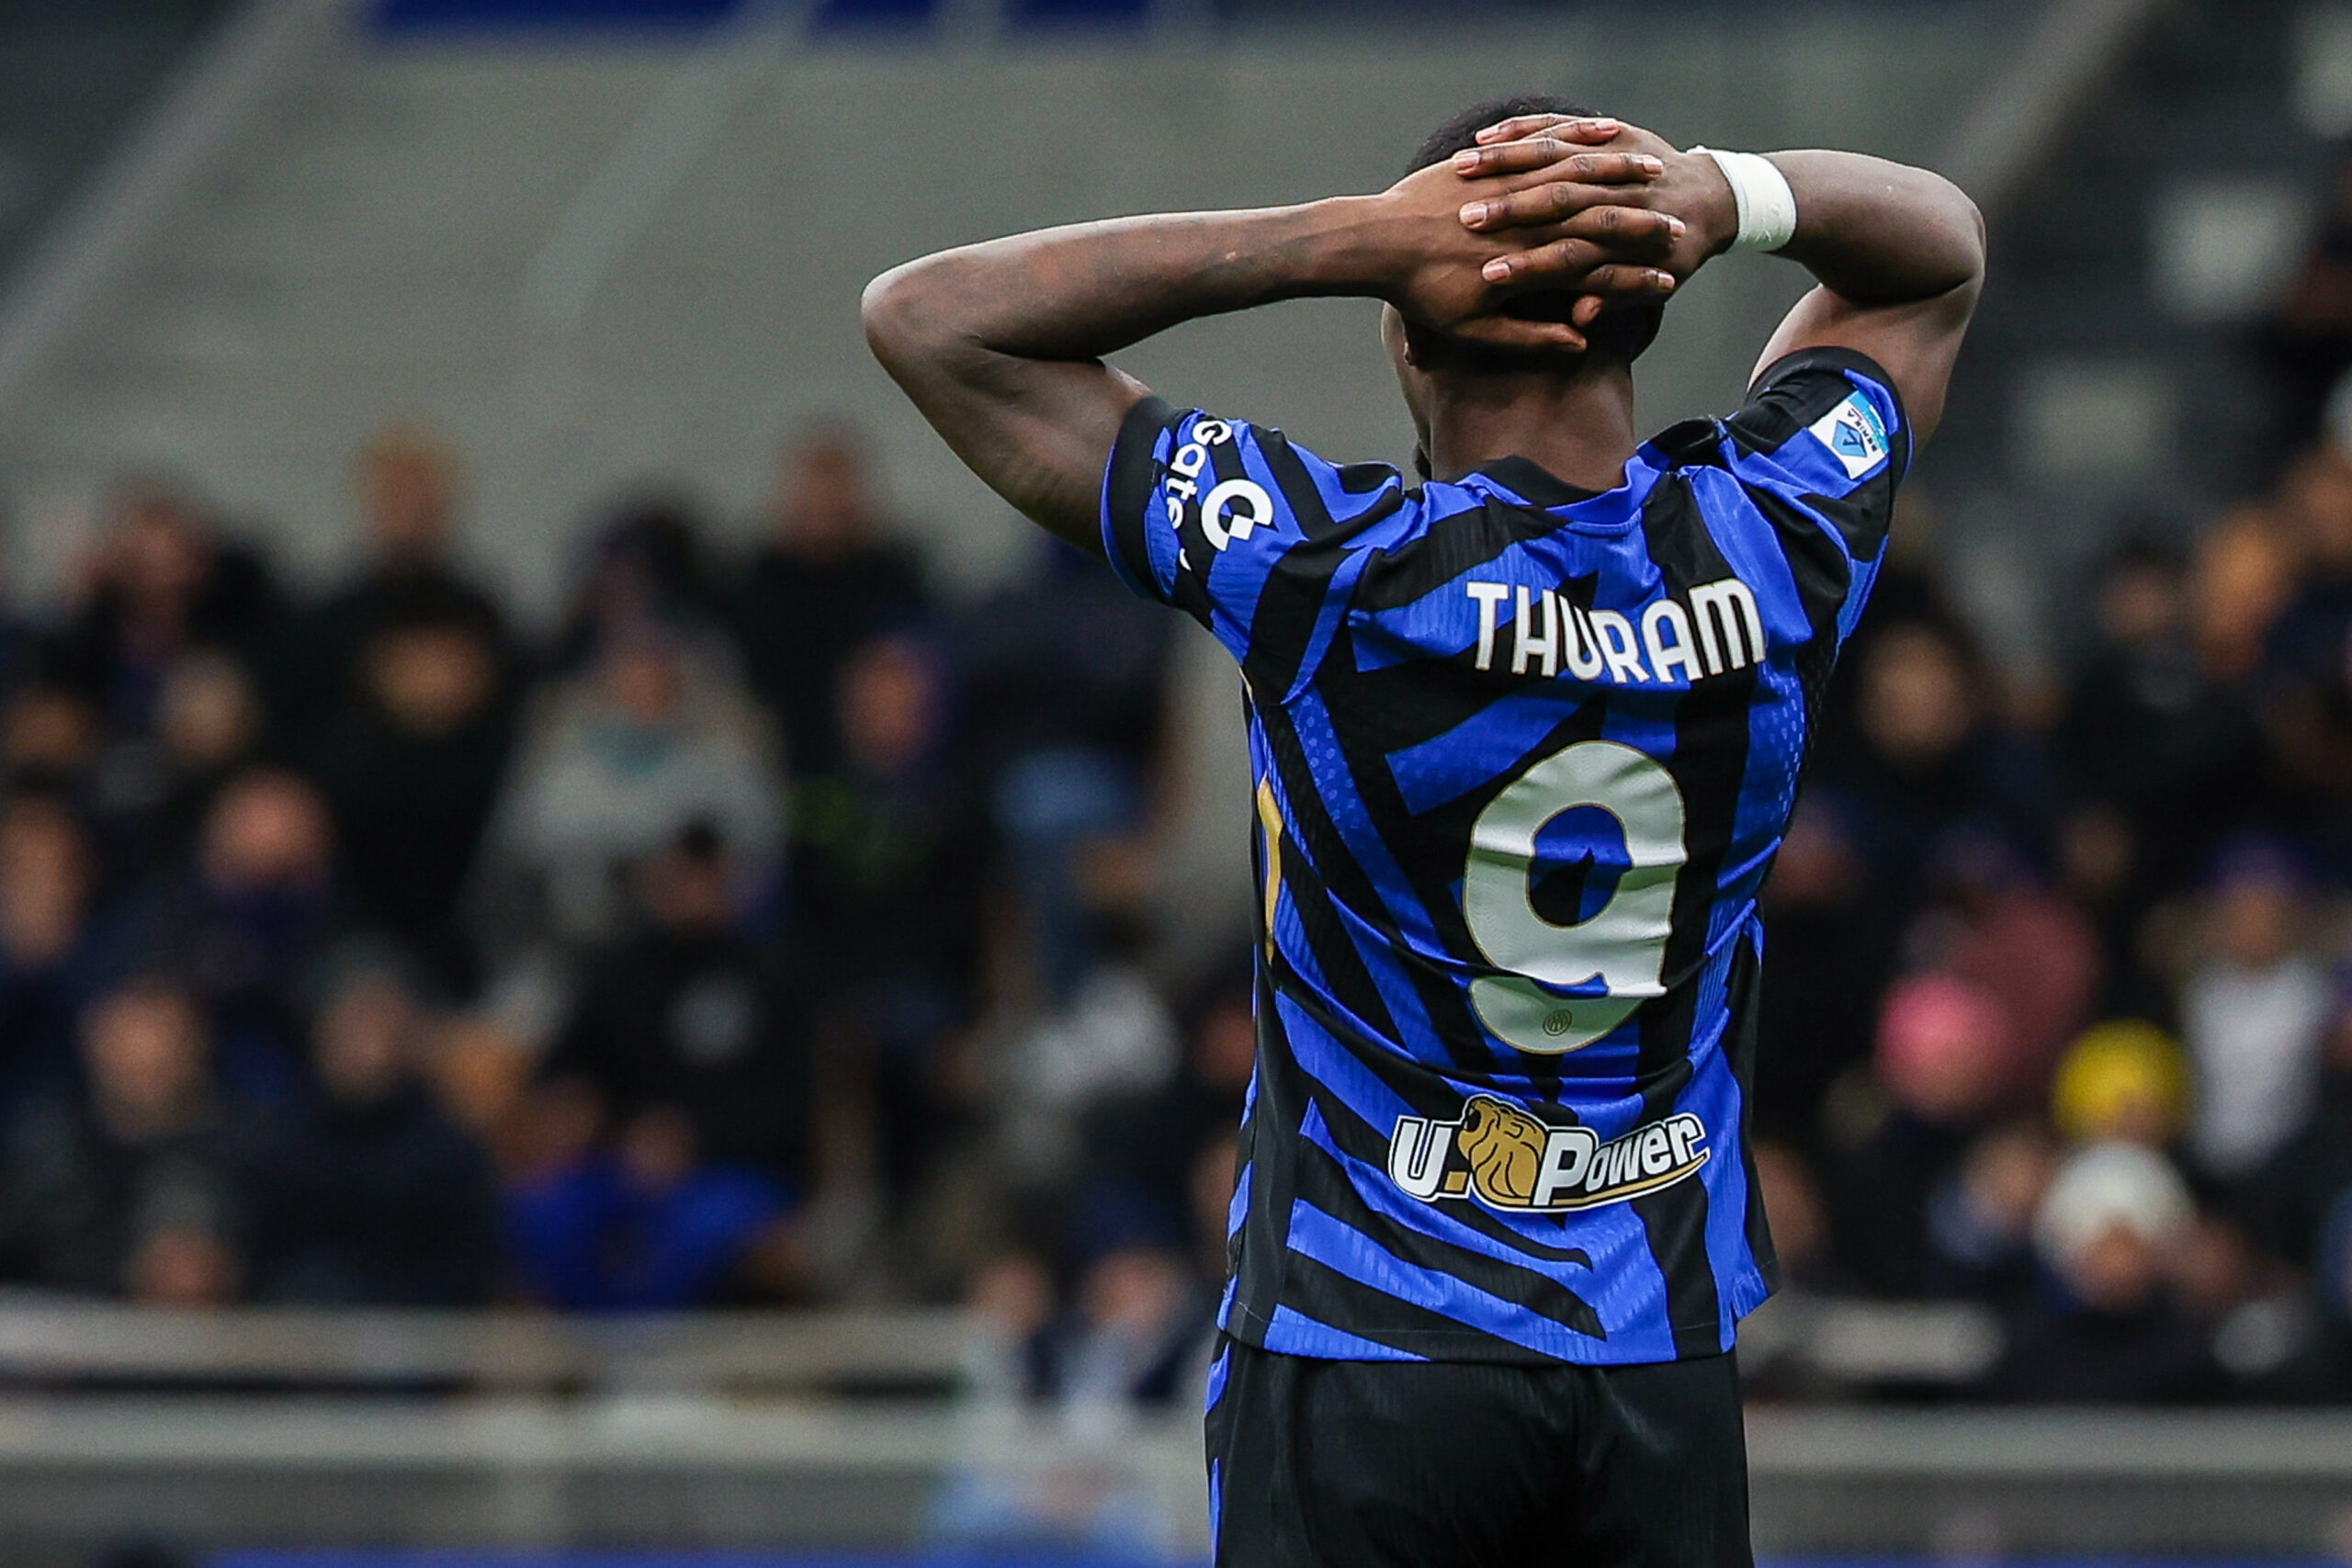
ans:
(2124, 1079)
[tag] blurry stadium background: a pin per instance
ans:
(603, 959)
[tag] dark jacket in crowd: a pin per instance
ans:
(238, 607)
(798, 619)
(249, 955)
(410, 812)
(705, 1023)
(383, 1203)
(887, 878)
(2179, 758)
(77, 1200)
(329, 642)
(1068, 659)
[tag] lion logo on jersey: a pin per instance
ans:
(1505, 1147)
(1513, 1161)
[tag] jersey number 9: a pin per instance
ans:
(1571, 983)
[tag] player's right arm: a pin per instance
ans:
(1000, 344)
(1898, 252)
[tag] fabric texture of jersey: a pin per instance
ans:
(1523, 754)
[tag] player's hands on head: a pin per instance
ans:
(1601, 241)
(1545, 162)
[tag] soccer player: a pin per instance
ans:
(1526, 736)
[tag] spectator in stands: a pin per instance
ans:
(1008, 1301)
(410, 766)
(48, 952)
(2292, 1343)
(890, 864)
(2301, 691)
(2122, 1081)
(2255, 1008)
(644, 570)
(49, 739)
(2241, 577)
(1928, 755)
(1140, 1329)
(2227, 1285)
(823, 583)
(1799, 1222)
(1831, 954)
(2313, 507)
(1136, 1326)
(408, 483)
(1980, 1216)
(1911, 589)
(1070, 680)
(1216, 1176)
(246, 922)
(1992, 924)
(687, 1014)
(619, 762)
(151, 792)
(127, 1187)
(644, 1224)
(2305, 343)
(1113, 1040)
(1135, 1336)
(2297, 1185)
(2151, 746)
(2321, 1370)
(362, 1192)
(1942, 1066)
(164, 582)
(2111, 1213)
(1143, 1150)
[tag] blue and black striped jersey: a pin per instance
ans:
(1523, 754)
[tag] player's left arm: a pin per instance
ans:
(1000, 344)
(1898, 252)
(1898, 255)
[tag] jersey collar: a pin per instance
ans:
(1537, 484)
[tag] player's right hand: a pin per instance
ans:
(1543, 161)
(1594, 244)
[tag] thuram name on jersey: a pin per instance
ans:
(1503, 1156)
(1720, 630)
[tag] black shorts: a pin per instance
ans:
(1433, 1464)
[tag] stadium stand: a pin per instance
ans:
(658, 988)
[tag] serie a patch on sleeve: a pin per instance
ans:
(1854, 434)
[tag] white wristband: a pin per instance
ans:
(1767, 207)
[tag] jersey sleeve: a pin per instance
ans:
(1824, 427)
(1255, 537)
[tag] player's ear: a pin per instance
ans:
(1417, 346)
(1395, 336)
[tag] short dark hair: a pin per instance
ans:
(1622, 330)
(1462, 131)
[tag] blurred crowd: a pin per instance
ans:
(777, 931)
(770, 932)
(2058, 1016)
